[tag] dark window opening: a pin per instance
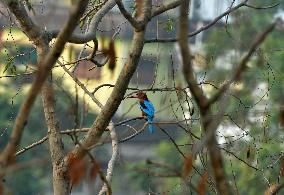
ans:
(145, 71)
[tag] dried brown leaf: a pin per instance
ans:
(76, 169)
(95, 170)
(248, 152)
(112, 56)
(282, 116)
(201, 189)
(1, 189)
(282, 166)
(187, 166)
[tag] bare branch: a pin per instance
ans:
(95, 8)
(274, 189)
(165, 7)
(202, 28)
(137, 25)
(42, 140)
(172, 140)
(32, 145)
(265, 7)
(189, 75)
(92, 32)
(72, 131)
(112, 161)
(134, 135)
(209, 126)
(76, 80)
(232, 153)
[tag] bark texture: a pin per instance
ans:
(61, 181)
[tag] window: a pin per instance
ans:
(145, 71)
(83, 70)
(21, 54)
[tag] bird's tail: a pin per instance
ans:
(151, 128)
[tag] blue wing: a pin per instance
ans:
(149, 109)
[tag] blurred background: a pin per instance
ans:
(251, 133)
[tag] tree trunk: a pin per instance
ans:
(61, 183)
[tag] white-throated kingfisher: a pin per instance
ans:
(147, 108)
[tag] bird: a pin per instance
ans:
(147, 108)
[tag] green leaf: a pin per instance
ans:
(8, 65)
(13, 70)
(132, 6)
(30, 6)
(169, 25)
(82, 23)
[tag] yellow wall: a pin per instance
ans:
(18, 38)
(106, 77)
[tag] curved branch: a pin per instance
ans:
(92, 32)
(137, 25)
(265, 7)
(165, 7)
(202, 28)
(188, 71)
(134, 135)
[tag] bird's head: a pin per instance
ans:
(140, 95)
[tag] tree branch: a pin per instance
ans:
(265, 7)
(78, 82)
(189, 75)
(202, 28)
(92, 32)
(60, 176)
(72, 131)
(114, 144)
(8, 153)
(137, 25)
(118, 92)
(209, 126)
(165, 7)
